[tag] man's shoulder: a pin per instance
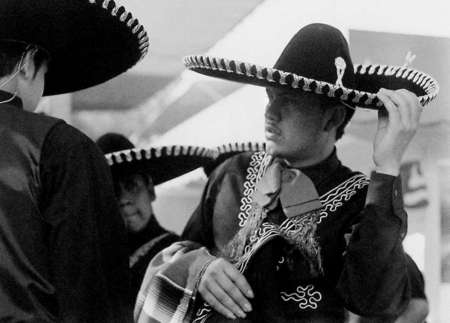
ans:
(67, 136)
(64, 140)
(239, 163)
(348, 183)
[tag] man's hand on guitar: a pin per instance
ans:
(224, 288)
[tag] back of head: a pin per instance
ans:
(12, 52)
(331, 103)
(10, 55)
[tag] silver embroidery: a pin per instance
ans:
(202, 313)
(256, 169)
(283, 76)
(341, 193)
(331, 201)
(340, 70)
(306, 297)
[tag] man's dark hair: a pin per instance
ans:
(127, 179)
(11, 53)
(325, 104)
(329, 103)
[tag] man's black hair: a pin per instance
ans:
(11, 53)
(123, 177)
(329, 103)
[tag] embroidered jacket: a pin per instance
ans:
(367, 276)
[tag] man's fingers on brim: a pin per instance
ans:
(217, 306)
(239, 280)
(394, 116)
(383, 118)
(415, 106)
(405, 106)
(234, 292)
(224, 299)
(402, 107)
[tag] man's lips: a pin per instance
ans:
(272, 129)
(133, 215)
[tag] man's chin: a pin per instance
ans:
(133, 227)
(273, 148)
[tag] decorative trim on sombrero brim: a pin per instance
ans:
(368, 77)
(241, 147)
(101, 37)
(162, 163)
(127, 18)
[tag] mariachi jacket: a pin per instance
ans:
(365, 274)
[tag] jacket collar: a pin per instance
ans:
(318, 173)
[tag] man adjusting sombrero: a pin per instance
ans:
(63, 254)
(274, 224)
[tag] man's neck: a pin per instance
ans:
(312, 159)
(10, 84)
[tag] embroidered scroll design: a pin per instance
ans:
(306, 297)
(258, 164)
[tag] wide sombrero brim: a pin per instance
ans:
(89, 41)
(161, 163)
(369, 79)
(229, 150)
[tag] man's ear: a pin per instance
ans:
(151, 188)
(28, 68)
(335, 118)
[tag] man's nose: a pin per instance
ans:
(126, 207)
(125, 200)
(272, 112)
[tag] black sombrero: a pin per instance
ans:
(229, 150)
(317, 59)
(161, 163)
(89, 41)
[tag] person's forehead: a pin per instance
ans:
(133, 177)
(291, 94)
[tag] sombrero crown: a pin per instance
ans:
(161, 163)
(317, 60)
(89, 41)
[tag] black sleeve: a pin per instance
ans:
(88, 259)
(374, 281)
(199, 227)
(416, 280)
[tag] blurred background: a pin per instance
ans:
(159, 103)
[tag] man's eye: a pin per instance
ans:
(131, 186)
(283, 100)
